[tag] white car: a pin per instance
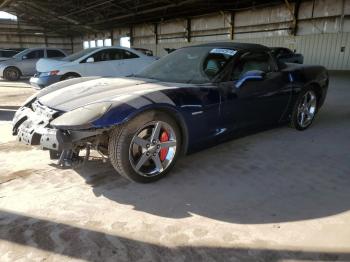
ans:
(100, 61)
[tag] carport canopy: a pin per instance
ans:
(82, 16)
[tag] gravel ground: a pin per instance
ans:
(279, 195)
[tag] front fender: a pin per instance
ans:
(123, 113)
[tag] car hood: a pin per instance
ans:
(115, 90)
(4, 58)
(8, 62)
(47, 65)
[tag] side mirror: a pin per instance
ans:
(90, 60)
(250, 75)
(24, 57)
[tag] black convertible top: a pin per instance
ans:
(237, 46)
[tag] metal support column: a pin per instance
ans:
(131, 35)
(188, 30)
(232, 25)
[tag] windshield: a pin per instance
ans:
(20, 54)
(197, 64)
(79, 54)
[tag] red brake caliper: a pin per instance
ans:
(164, 136)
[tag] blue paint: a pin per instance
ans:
(290, 76)
(250, 75)
(226, 109)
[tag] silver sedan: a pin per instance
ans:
(23, 63)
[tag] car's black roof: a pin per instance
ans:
(278, 47)
(237, 46)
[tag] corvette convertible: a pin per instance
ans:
(193, 97)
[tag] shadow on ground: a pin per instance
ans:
(80, 243)
(229, 193)
(275, 176)
(241, 182)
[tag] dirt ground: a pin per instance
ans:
(279, 195)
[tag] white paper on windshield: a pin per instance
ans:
(224, 51)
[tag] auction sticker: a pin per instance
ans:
(224, 51)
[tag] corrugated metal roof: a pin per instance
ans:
(79, 17)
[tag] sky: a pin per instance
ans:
(4, 15)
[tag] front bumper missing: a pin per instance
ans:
(33, 128)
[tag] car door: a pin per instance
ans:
(116, 62)
(27, 65)
(125, 62)
(249, 102)
(97, 64)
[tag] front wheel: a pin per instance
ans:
(145, 148)
(305, 109)
(12, 74)
(69, 76)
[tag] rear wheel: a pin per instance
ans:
(305, 109)
(145, 148)
(12, 74)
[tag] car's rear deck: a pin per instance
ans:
(279, 195)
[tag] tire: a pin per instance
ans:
(12, 74)
(126, 154)
(306, 105)
(69, 76)
(54, 155)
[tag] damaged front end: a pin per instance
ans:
(64, 134)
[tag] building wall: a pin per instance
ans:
(15, 34)
(323, 49)
(322, 36)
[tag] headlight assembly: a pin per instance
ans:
(81, 117)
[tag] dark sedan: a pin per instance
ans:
(192, 98)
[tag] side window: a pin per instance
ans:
(252, 61)
(214, 63)
(54, 53)
(278, 52)
(98, 56)
(105, 55)
(35, 54)
(284, 53)
(112, 54)
(287, 52)
(115, 54)
(128, 55)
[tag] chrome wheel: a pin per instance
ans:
(153, 148)
(307, 109)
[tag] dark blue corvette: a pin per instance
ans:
(194, 96)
